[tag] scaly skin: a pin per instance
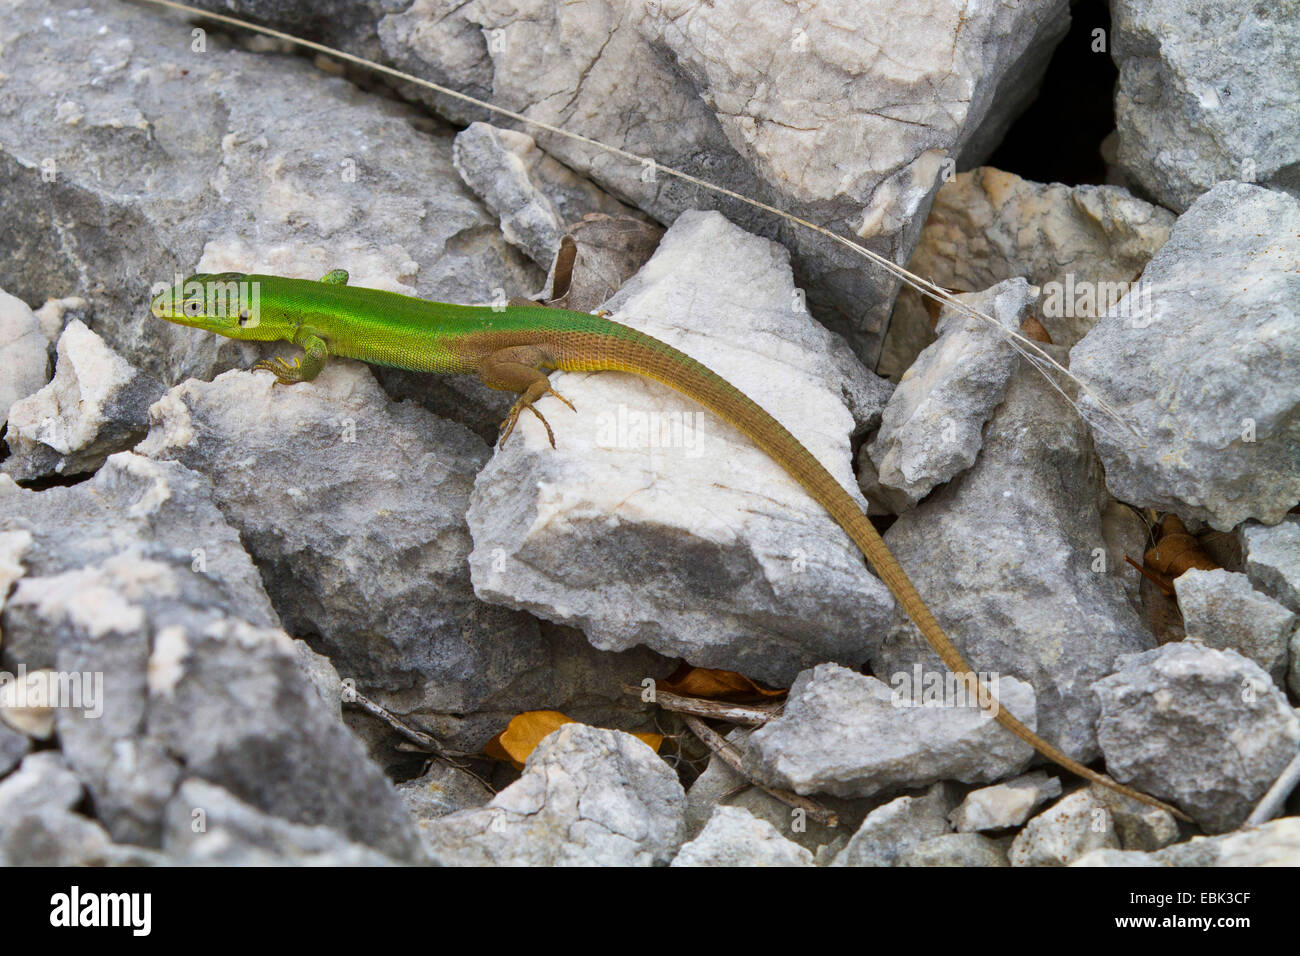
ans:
(511, 349)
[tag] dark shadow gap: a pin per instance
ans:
(1058, 138)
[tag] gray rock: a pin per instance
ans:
(24, 361)
(442, 789)
(133, 575)
(587, 797)
(749, 572)
(955, 849)
(1221, 609)
(1273, 559)
(850, 735)
(573, 677)
(14, 545)
(96, 404)
(58, 313)
(42, 780)
(190, 691)
(158, 511)
(1206, 93)
(719, 785)
(889, 831)
(13, 748)
(780, 110)
(371, 486)
(166, 162)
(1272, 844)
(1078, 244)
(1004, 804)
(1126, 536)
(51, 836)
(1293, 672)
(1204, 362)
(1138, 825)
(1065, 831)
(933, 425)
(206, 826)
(533, 195)
(1013, 561)
(1203, 728)
(735, 837)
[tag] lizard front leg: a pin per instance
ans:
(314, 355)
(519, 369)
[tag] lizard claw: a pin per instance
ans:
(508, 426)
(284, 372)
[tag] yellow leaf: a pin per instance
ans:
(525, 731)
(715, 685)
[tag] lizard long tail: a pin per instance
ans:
(632, 351)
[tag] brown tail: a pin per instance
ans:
(647, 356)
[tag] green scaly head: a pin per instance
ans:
(228, 303)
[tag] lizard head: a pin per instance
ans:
(228, 303)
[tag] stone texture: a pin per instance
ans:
(850, 735)
(892, 830)
(206, 826)
(134, 576)
(1138, 825)
(804, 108)
(371, 486)
(735, 837)
(719, 785)
(933, 425)
(1272, 844)
(955, 849)
(96, 404)
(1066, 831)
(535, 197)
(24, 363)
(1004, 804)
(1221, 609)
(1206, 93)
(986, 226)
(1204, 363)
(587, 797)
(1272, 556)
(1202, 728)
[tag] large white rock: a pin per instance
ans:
(652, 521)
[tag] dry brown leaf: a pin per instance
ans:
(716, 685)
(1177, 551)
(525, 731)
(1031, 328)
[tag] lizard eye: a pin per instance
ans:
(194, 307)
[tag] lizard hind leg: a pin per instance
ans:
(519, 369)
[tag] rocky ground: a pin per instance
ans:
(300, 619)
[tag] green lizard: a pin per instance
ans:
(511, 348)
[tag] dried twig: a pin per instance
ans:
(750, 715)
(727, 753)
